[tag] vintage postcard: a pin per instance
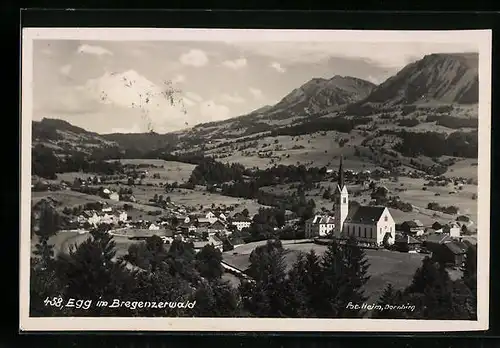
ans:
(255, 180)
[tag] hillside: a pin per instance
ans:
(319, 94)
(64, 138)
(442, 78)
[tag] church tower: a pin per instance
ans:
(341, 198)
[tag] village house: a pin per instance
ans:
(406, 243)
(453, 229)
(154, 227)
(451, 253)
(413, 227)
(241, 222)
(319, 225)
(217, 227)
(214, 240)
(437, 227)
(211, 217)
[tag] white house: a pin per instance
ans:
(371, 224)
(114, 196)
(241, 222)
(453, 229)
(123, 216)
(319, 225)
(211, 217)
(222, 217)
(94, 219)
(154, 227)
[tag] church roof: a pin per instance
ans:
(366, 214)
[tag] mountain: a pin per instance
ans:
(319, 94)
(450, 78)
(64, 137)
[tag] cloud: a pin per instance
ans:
(235, 64)
(133, 91)
(188, 102)
(178, 79)
(194, 96)
(277, 66)
(65, 70)
(383, 54)
(194, 58)
(257, 93)
(210, 111)
(96, 50)
(232, 98)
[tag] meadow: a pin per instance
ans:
(385, 266)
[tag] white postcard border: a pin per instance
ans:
(481, 38)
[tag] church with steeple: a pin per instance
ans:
(341, 199)
(368, 224)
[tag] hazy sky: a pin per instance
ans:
(103, 86)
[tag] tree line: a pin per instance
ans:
(320, 286)
(434, 144)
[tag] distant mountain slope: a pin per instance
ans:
(444, 78)
(63, 137)
(318, 94)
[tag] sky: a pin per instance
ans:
(137, 86)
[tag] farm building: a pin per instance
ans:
(241, 222)
(319, 225)
(451, 253)
(404, 242)
(413, 227)
(453, 229)
(216, 242)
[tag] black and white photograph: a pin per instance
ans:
(255, 180)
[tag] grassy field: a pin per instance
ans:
(385, 266)
(170, 171)
(319, 149)
(413, 195)
(466, 168)
(195, 198)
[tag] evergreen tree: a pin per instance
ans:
(91, 272)
(438, 294)
(264, 297)
(208, 262)
(302, 285)
(216, 298)
(391, 297)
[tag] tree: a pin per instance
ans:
(216, 298)
(208, 262)
(389, 298)
(441, 299)
(49, 221)
(264, 297)
(302, 288)
(245, 212)
(91, 272)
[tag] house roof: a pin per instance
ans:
(241, 219)
(402, 238)
(366, 214)
(456, 248)
(437, 238)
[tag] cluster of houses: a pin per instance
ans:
(201, 229)
(374, 226)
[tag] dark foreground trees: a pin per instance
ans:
(282, 285)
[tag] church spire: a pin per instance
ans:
(341, 173)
